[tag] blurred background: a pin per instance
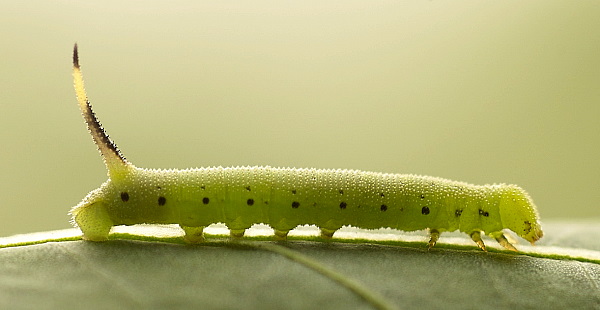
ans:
(482, 92)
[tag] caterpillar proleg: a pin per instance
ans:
(285, 198)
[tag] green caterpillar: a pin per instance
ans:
(287, 197)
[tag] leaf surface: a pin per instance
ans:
(255, 274)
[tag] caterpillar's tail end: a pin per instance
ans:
(91, 216)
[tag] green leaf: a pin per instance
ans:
(55, 270)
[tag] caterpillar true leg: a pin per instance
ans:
(434, 235)
(476, 236)
(501, 238)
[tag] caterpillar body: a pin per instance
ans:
(285, 198)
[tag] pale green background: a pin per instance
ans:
(479, 91)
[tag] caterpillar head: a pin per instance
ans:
(519, 214)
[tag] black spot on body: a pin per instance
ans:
(124, 196)
(294, 191)
(382, 194)
(341, 191)
(383, 208)
(248, 188)
(205, 200)
(527, 228)
(458, 212)
(250, 201)
(425, 210)
(343, 205)
(484, 213)
(158, 187)
(202, 187)
(162, 200)
(295, 204)
(422, 196)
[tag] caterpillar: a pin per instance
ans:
(285, 198)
